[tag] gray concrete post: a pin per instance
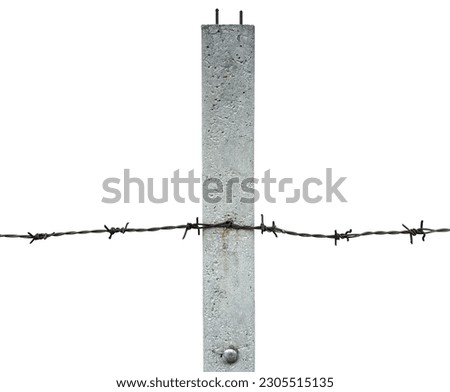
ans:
(228, 148)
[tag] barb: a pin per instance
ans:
(273, 229)
(231, 225)
(341, 236)
(39, 236)
(114, 230)
(190, 226)
(414, 232)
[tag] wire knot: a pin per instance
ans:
(39, 236)
(114, 230)
(414, 232)
(228, 224)
(341, 236)
(190, 226)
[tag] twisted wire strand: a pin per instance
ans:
(230, 225)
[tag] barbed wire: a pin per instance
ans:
(229, 224)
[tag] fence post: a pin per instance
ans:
(228, 154)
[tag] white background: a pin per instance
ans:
(89, 88)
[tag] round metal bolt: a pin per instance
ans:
(230, 355)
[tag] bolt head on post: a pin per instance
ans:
(230, 355)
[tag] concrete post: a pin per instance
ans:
(228, 149)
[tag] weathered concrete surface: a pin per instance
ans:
(228, 151)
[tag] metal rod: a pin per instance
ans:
(241, 17)
(217, 16)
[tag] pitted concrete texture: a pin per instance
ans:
(228, 152)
